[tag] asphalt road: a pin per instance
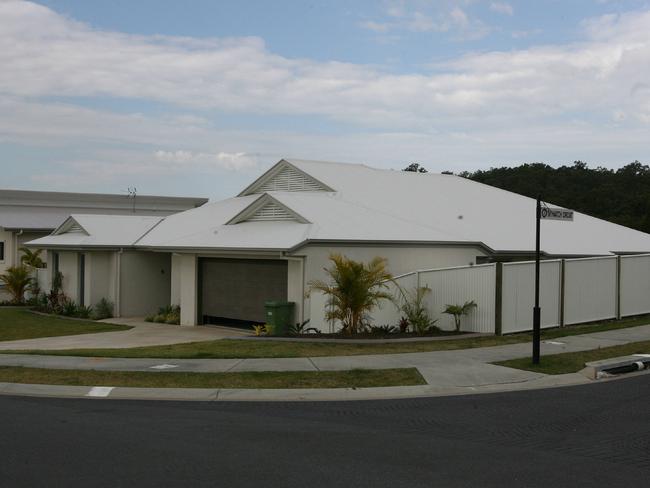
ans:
(596, 435)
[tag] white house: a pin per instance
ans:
(28, 215)
(223, 260)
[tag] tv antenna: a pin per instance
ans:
(133, 192)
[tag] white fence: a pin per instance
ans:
(590, 289)
(518, 295)
(448, 286)
(634, 285)
(572, 291)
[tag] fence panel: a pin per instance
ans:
(518, 295)
(589, 289)
(635, 285)
(458, 285)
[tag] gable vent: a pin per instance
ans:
(75, 229)
(270, 211)
(289, 179)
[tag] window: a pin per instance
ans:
(2, 250)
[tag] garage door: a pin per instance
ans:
(236, 289)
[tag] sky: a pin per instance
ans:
(199, 97)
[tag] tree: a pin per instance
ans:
(459, 310)
(17, 280)
(415, 168)
(621, 196)
(354, 289)
(32, 258)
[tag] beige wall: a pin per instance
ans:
(175, 298)
(188, 288)
(69, 268)
(295, 287)
(145, 282)
(100, 277)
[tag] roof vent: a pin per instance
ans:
(290, 179)
(75, 228)
(271, 211)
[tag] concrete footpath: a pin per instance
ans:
(446, 372)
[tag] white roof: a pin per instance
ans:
(81, 230)
(43, 210)
(354, 202)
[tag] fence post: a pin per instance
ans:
(417, 280)
(498, 294)
(562, 266)
(618, 287)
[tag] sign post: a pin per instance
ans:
(546, 213)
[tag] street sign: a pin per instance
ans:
(549, 213)
(542, 212)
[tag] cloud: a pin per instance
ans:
(375, 26)
(502, 8)
(44, 54)
(221, 160)
(522, 34)
(421, 17)
(589, 96)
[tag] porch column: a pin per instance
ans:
(189, 289)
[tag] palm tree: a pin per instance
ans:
(459, 310)
(17, 279)
(32, 258)
(354, 289)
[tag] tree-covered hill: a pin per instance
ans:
(621, 196)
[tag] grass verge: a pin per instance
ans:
(16, 324)
(571, 362)
(236, 349)
(356, 378)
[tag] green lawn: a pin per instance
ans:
(280, 349)
(356, 378)
(16, 323)
(571, 362)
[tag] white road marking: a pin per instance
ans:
(555, 343)
(100, 391)
(164, 366)
(642, 355)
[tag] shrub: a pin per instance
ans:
(459, 310)
(68, 308)
(300, 329)
(17, 280)
(103, 310)
(354, 289)
(403, 325)
(382, 329)
(259, 330)
(269, 329)
(412, 306)
(84, 312)
(171, 314)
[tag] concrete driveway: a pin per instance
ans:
(142, 334)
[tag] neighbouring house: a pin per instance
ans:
(29, 215)
(223, 260)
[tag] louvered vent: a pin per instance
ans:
(270, 211)
(288, 179)
(75, 228)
